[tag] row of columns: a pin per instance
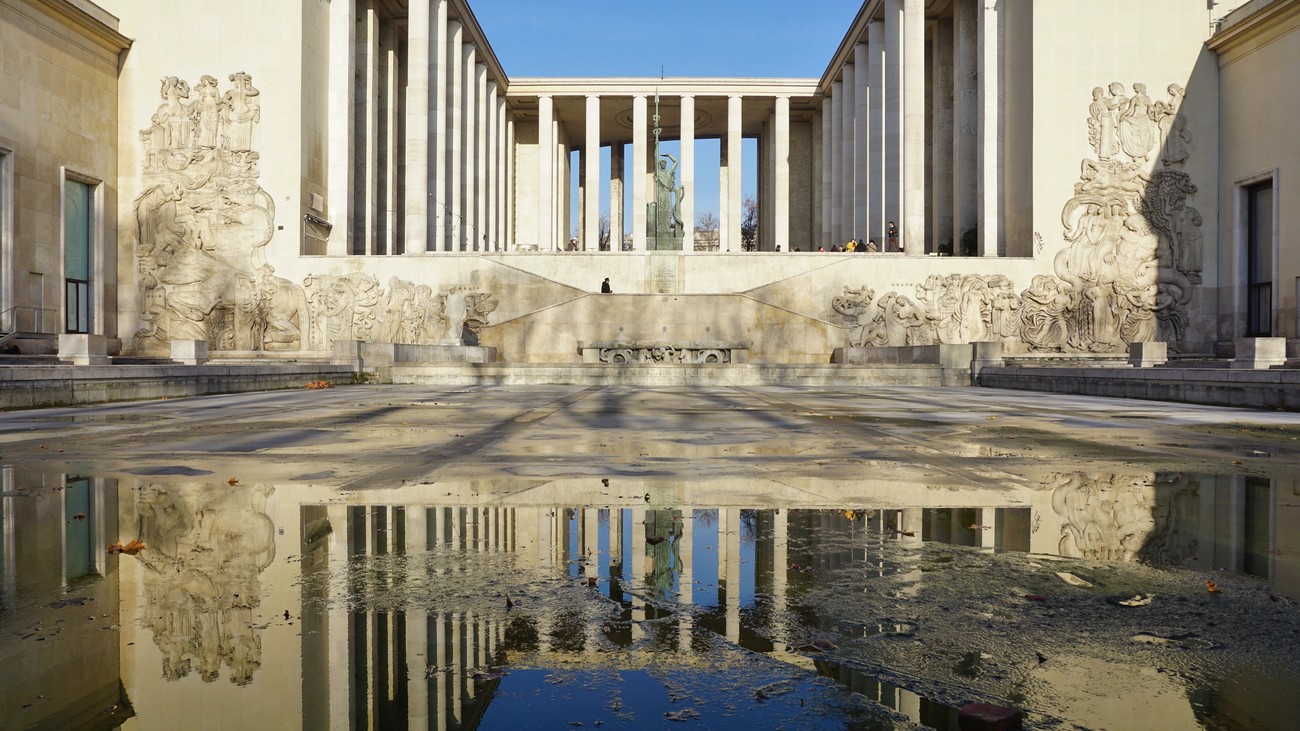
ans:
(552, 203)
(420, 141)
(878, 141)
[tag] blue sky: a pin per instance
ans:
(757, 38)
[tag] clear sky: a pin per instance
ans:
(755, 38)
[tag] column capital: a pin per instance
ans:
(593, 96)
(685, 96)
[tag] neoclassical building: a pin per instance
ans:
(1059, 177)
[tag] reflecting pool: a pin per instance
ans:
(1107, 598)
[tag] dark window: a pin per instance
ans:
(78, 216)
(1259, 260)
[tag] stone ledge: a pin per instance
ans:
(1267, 389)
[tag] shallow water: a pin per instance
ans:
(634, 603)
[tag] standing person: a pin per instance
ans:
(605, 288)
(893, 238)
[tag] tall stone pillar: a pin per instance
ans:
(508, 191)
(437, 186)
(493, 168)
(370, 214)
(848, 155)
(782, 174)
(894, 117)
(989, 64)
(688, 172)
(913, 223)
(639, 152)
(469, 170)
(837, 164)
(876, 163)
(735, 135)
(342, 92)
(941, 135)
(617, 199)
(965, 165)
(545, 173)
(483, 115)
(861, 142)
(417, 127)
(456, 122)
(591, 168)
(824, 236)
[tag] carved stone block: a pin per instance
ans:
(1146, 355)
(190, 352)
(83, 349)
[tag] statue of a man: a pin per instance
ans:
(668, 210)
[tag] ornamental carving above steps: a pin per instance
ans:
(1133, 253)
(202, 226)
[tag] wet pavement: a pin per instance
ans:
(563, 557)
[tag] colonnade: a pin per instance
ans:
(420, 141)
(911, 125)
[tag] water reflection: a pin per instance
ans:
(395, 610)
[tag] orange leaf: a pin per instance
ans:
(1210, 587)
(133, 548)
(232, 481)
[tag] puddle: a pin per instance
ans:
(1085, 601)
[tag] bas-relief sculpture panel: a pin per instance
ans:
(1133, 253)
(202, 226)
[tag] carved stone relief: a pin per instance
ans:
(357, 307)
(202, 225)
(206, 549)
(1133, 254)
(665, 355)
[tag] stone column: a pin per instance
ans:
(913, 223)
(836, 189)
(508, 191)
(342, 93)
(456, 122)
(545, 173)
(965, 190)
(370, 215)
(484, 116)
(437, 186)
(989, 52)
(417, 127)
(848, 150)
(735, 135)
(894, 117)
(940, 187)
(472, 134)
(591, 158)
(639, 148)
(827, 119)
(493, 169)
(617, 200)
(861, 144)
(876, 143)
(688, 172)
(782, 174)
(390, 110)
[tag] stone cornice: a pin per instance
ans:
(87, 25)
(1254, 25)
(703, 87)
(844, 53)
(476, 36)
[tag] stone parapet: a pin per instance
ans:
(83, 349)
(190, 352)
(1259, 353)
(1147, 355)
(1254, 389)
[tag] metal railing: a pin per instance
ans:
(24, 319)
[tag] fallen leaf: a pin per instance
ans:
(1073, 580)
(129, 549)
(1210, 587)
(654, 540)
(1137, 601)
(1036, 597)
(79, 516)
(232, 481)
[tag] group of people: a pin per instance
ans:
(857, 245)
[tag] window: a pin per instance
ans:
(79, 521)
(78, 218)
(1259, 259)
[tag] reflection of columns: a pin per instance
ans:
(732, 543)
(837, 164)
(989, 52)
(591, 169)
(637, 578)
(688, 172)
(782, 175)
(894, 116)
(734, 179)
(639, 152)
(545, 173)
(417, 620)
(987, 532)
(913, 77)
(480, 158)
(965, 122)
(848, 148)
(338, 624)
(617, 200)
(417, 127)
(686, 580)
(876, 144)
(941, 135)
(458, 671)
(342, 100)
(437, 186)
(456, 122)
(780, 574)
